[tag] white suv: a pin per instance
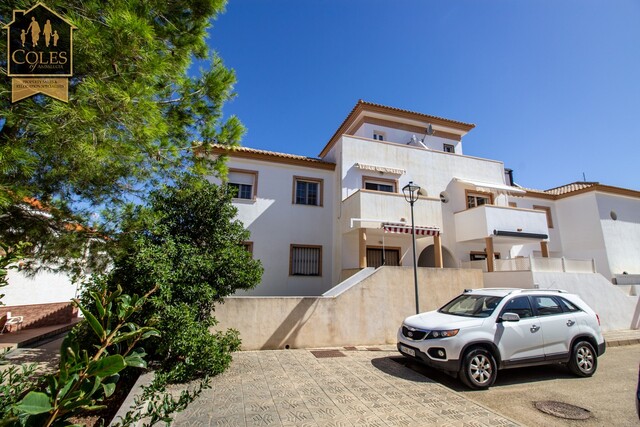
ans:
(484, 330)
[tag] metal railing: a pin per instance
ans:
(558, 265)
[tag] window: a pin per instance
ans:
(481, 256)
(377, 135)
(471, 306)
(305, 260)
(242, 183)
(379, 256)
(379, 184)
(248, 246)
(520, 306)
(477, 198)
(448, 148)
(307, 191)
(546, 306)
(547, 209)
(568, 306)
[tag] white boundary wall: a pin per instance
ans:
(370, 312)
(43, 288)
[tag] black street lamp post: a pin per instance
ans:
(410, 192)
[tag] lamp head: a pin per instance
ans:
(410, 192)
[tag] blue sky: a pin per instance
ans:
(553, 86)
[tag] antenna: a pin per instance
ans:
(584, 177)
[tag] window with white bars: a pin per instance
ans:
(306, 260)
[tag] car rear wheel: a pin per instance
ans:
(584, 360)
(478, 369)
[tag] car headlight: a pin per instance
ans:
(444, 334)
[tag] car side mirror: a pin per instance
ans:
(510, 317)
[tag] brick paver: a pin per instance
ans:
(361, 388)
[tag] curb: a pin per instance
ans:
(623, 342)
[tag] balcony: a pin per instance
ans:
(377, 207)
(510, 225)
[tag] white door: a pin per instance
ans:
(522, 339)
(558, 328)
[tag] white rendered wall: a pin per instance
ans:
(43, 288)
(432, 170)
(403, 137)
(555, 238)
(622, 235)
(275, 223)
(581, 231)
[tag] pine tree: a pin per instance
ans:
(136, 108)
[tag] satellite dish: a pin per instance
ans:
(429, 130)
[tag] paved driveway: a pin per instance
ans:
(356, 387)
(609, 394)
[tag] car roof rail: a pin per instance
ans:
(560, 291)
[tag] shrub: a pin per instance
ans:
(186, 241)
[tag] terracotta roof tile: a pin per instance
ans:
(570, 188)
(428, 116)
(254, 152)
(579, 187)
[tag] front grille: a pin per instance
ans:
(414, 334)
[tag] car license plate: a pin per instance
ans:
(407, 350)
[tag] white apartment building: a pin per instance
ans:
(316, 221)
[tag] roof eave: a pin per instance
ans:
(270, 156)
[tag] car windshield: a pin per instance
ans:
(472, 306)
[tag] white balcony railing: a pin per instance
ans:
(482, 221)
(388, 207)
(550, 265)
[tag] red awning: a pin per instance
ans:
(402, 228)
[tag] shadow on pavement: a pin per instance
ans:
(506, 377)
(45, 353)
(47, 360)
(393, 366)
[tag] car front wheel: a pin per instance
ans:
(584, 360)
(478, 369)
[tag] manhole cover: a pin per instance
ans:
(320, 354)
(563, 410)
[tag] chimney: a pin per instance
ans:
(508, 176)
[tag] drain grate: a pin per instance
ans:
(327, 353)
(562, 410)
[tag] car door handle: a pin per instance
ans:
(534, 328)
(570, 323)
